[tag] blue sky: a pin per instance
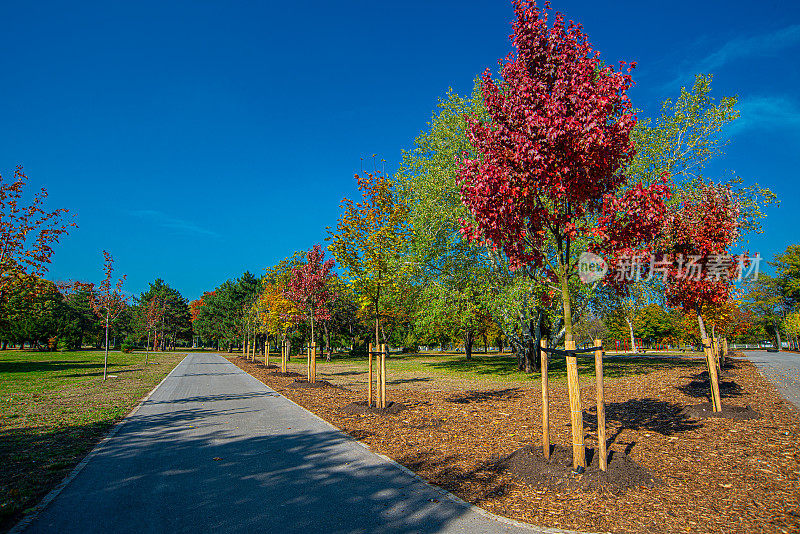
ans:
(195, 140)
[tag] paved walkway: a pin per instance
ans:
(780, 368)
(215, 450)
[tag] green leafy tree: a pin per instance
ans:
(222, 316)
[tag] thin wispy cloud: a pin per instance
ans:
(766, 112)
(737, 49)
(167, 221)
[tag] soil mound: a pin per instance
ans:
(706, 409)
(357, 408)
(305, 384)
(529, 465)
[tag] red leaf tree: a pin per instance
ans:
(699, 231)
(309, 286)
(545, 181)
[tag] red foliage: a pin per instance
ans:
(195, 305)
(308, 287)
(699, 232)
(549, 158)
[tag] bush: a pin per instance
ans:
(128, 345)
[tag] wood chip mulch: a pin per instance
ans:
(715, 474)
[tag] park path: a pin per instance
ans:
(780, 368)
(215, 450)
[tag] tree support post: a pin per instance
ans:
(314, 362)
(601, 405)
(713, 378)
(545, 403)
(384, 351)
(578, 447)
(266, 352)
(369, 387)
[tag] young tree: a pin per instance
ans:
(548, 182)
(309, 286)
(699, 232)
(370, 240)
(27, 232)
(107, 301)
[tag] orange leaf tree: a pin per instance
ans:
(27, 232)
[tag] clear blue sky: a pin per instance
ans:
(195, 140)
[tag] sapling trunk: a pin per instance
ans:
(105, 361)
(630, 328)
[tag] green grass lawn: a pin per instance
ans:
(503, 367)
(54, 407)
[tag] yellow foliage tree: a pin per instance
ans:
(369, 241)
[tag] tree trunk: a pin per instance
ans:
(469, 338)
(778, 336)
(147, 349)
(105, 361)
(630, 327)
(327, 343)
(703, 333)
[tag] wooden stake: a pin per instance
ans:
(545, 403)
(314, 363)
(383, 375)
(601, 405)
(369, 388)
(713, 378)
(576, 413)
(266, 352)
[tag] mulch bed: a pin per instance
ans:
(706, 409)
(305, 384)
(709, 475)
(358, 408)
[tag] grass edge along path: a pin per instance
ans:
(55, 408)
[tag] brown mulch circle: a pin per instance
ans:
(357, 408)
(529, 465)
(305, 384)
(719, 475)
(736, 413)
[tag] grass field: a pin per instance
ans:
(499, 369)
(54, 407)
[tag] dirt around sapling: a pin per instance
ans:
(529, 465)
(736, 413)
(358, 408)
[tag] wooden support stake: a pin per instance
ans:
(369, 387)
(713, 378)
(384, 350)
(313, 363)
(601, 405)
(266, 352)
(545, 403)
(576, 413)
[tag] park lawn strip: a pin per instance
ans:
(54, 408)
(497, 368)
(717, 475)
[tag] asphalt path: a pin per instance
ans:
(215, 450)
(780, 368)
